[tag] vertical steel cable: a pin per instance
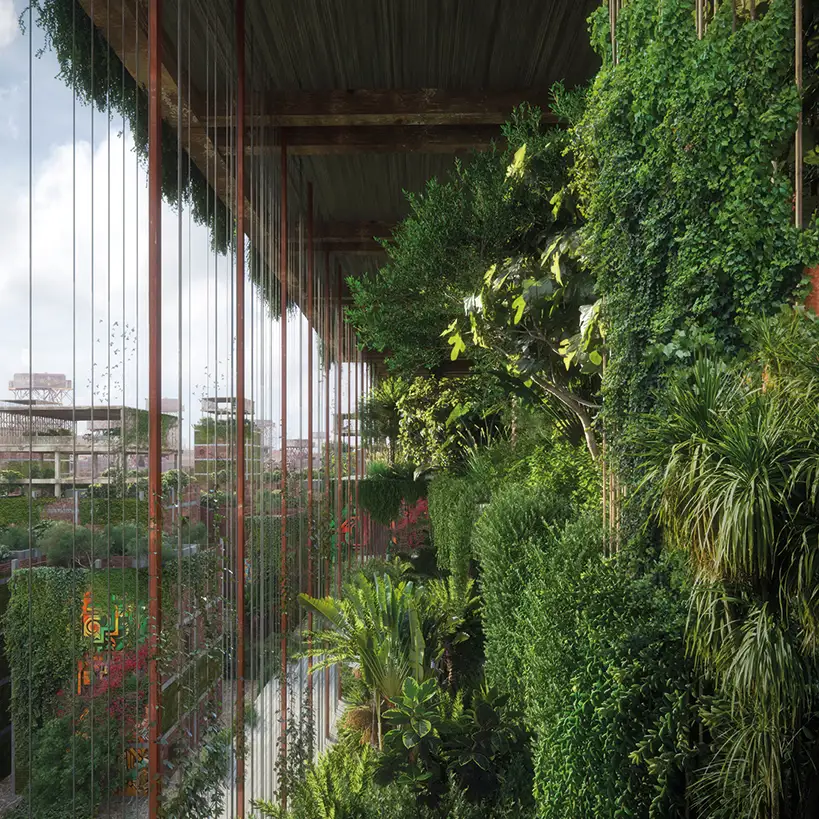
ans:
(240, 400)
(798, 143)
(327, 465)
(123, 457)
(181, 660)
(30, 389)
(154, 401)
(339, 487)
(108, 400)
(74, 399)
(283, 238)
(310, 523)
(93, 384)
(140, 681)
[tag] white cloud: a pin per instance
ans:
(9, 27)
(88, 272)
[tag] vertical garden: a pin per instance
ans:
(615, 610)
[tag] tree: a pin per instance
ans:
(379, 413)
(538, 313)
(67, 545)
(491, 258)
(10, 479)
(174, 481)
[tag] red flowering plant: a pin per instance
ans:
(410, 531)
(111, 685)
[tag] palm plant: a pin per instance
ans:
(734, 461)
(450, 607)
(380, 417)
(376, 626)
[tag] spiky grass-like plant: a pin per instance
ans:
(733, 458)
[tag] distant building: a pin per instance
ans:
(58, 446)
(42, 388)
(214, 440)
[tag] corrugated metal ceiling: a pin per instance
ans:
(457, 45)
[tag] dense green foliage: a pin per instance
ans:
(385, 487)
(435, 744)
(453, 510)
(379, 416)
(200, 794)
(42, 629)
(41, 656)
(17, 511)
(659, 663)
(684, 182)
(608, 686)
(732, 461)
(439, 418)
(104, 511)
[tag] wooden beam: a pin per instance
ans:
(338, 140)
(423, 106)
(353, 231)
(362, 247)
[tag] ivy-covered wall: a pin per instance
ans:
(102, 511)
(47, 633)
(43, 637)
(14, 511)
(684, 172)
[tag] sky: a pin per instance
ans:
(73, 259)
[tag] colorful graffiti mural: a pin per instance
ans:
(110, 627)
(116, 627)
(136, 765)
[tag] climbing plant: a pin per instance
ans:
(684, 181)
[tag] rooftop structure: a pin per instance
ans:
(82, 443)
(40, 387)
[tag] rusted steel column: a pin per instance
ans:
(339, 385)
(358, 522)
(310, 533)
(798, 182)
(349, 342)
(240, 409)
(283, 566)
(154, 402)
(328, 585)
(339, 500)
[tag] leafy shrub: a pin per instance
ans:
(432, 743)
(200, 794)
(68, 545)
(14, 538)
(77, 759)
(607, 682)
(341, 786)
(516, 516)
(453, 510)
(439, 417)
